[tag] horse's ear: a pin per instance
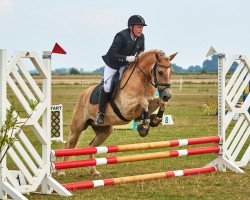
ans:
(172, 56)
(157, 56)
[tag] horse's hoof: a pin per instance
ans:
(142, 131)
(61, 173)
(152, 123)
(96, 174)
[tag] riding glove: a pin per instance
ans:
(130, 58)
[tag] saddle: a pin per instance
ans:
(115, 86)
(94, 98)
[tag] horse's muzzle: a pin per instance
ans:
(165, 94)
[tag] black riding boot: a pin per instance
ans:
(103, 100)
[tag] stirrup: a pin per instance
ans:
(100, 118)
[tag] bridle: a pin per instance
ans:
(156, 84)
(159, 86)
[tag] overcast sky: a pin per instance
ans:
(86, 28)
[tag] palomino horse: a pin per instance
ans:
(136, 96)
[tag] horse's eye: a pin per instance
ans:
(160, 73)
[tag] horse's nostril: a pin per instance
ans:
(166, 97)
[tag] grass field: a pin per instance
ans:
(189, 121)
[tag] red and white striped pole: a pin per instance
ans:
(132, 158)
(130, 179)
(133, 147)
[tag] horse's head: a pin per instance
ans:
(161, 74)
(156, 67)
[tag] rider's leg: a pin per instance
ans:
(103, 98)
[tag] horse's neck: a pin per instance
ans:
(139, 82)
(146, 65)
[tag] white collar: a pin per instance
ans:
(132, 36)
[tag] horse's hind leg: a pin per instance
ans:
(102, 133)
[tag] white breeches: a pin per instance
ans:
(108, 76)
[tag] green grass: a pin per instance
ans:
(189, 121)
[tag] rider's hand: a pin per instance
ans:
(130, 58)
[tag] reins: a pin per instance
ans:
(136, 65)
(155, 84)
(130, 75)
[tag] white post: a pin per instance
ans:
(3, 94)
(48, 181)
(180, 83)
(221, 107)
(46, 118)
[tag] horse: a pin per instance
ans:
(135, 98)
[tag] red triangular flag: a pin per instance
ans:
(58, 49)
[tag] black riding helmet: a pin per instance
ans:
(136, 20)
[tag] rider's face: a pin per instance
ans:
(137, 31)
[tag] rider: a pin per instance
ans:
(125, 46)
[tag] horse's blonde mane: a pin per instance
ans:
(146, 53)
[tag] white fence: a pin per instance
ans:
(32, 161)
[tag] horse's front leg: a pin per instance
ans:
(144, 127)
(155, 119)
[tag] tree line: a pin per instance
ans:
(208, 66)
